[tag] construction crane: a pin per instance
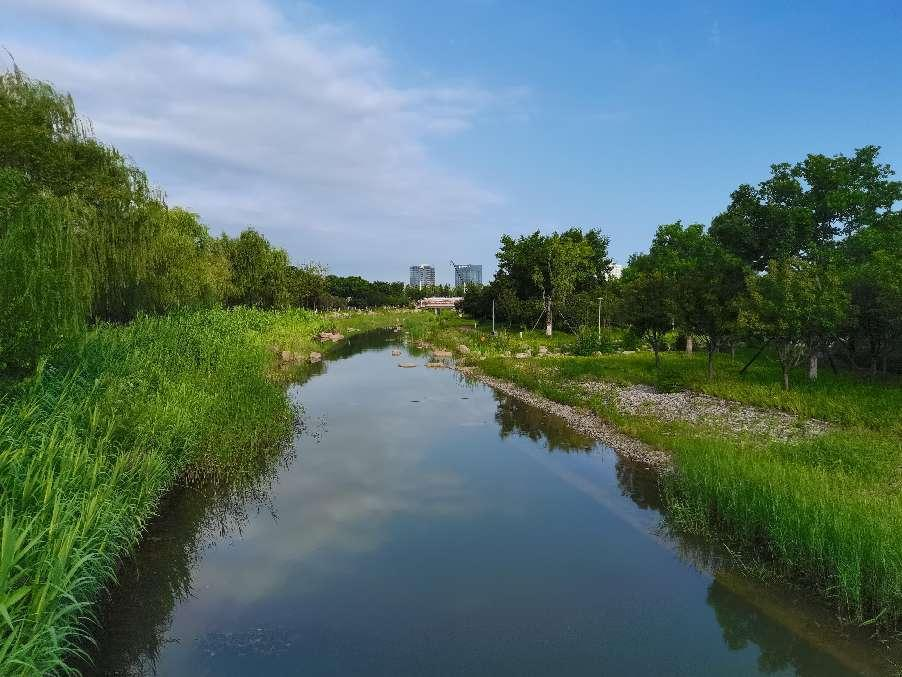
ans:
(454, 267)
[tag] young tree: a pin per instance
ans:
(796, 304)
(549, 266)
(707, 282)
(648, 301)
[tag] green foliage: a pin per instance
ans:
(355, 292)
(42, 137)
(873, 276)
(44, 291)
(804, 207)
(796, 305)
(259, 272)
(819, 519)
(307, 285)
(590, 341)
(186, 267)
(649, 300)
(549, 267)
(706, 280)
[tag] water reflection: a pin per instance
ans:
(135, 618)
(515, 417)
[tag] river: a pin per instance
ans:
(421, 524)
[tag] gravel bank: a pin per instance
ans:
(690, 407)
(583, 421)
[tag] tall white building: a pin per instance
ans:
(422, 276)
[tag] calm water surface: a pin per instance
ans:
(421, 525)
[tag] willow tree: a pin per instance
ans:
(258, 271)
(44, 288)
(43, 137)
(186, 268)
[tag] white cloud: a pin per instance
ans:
(294, 126)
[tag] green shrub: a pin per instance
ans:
(589, 341)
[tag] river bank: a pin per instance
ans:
(807, 482)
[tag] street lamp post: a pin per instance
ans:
(599, 317)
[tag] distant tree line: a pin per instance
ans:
(84, 238)
(809, 263)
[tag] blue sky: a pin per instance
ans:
(373, 135)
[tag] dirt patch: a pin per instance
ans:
(690, 407)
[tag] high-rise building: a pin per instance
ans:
(422, 276)
(469, 273)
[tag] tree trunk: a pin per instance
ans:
(812, 366)
(785, 375)
(732, 351)
(689, 345)
(712, 346)
(657, 357)
(549, 318)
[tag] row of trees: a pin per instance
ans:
(84, 238)
(808, 262)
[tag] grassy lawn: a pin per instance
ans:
(91, 443)
(825, 510)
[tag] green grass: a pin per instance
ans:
(91, 443)
(826, 511)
